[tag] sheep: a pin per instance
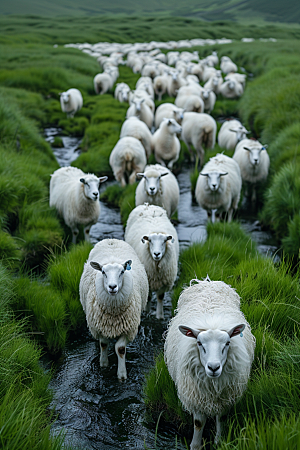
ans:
(170, 111)
(231, 89)
(154, 238)
(147, 87)
(103, 82)
(158, 187)
(150, 70)
(75, 195)
(141, 110)
(136, 128)
(127, 158)
(239, 77)
(218, 187)
(209, 98)
(208, 72)
(113, 293)
(209, 350)
(254, 163)
(214, 83)
(140, 94)
(175, 81)
(71, 101)
(160, 85)
(198, 129)
(231, 132)
(190, 103)
(165, 142)
(122, 92)
(227, 65)
(212, 59)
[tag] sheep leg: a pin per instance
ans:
(148, 306)
(120, 348)
(229, 217)
(192, 156)
(132, 177)
(87, 233)
(218, 433)
(75, 233)
(199, 422)
(103, 352)
(253, 198)
(160, 306)
(170, 164)
(160, 161)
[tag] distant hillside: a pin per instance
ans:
(267, 10)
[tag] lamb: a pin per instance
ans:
(122, 92)
(254, 163)
(154, 238)
(127, 158)
(103, 82)
(231, 132)
(198, 129)
(158, 187)
(136, 128)
(170, 111)
(231, 89)
(75, 195)
(71, 101)
(218, 187)
(209, 350)
(113, 293)
(227, 65)
(166, 144)
(139, 109)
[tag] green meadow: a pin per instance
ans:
(40, 268)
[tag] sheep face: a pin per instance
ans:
(205, 94)
(178, 113)
(91, 186)
(124, 94)
(213, 346)
(113, 275)
(254, 154)
(152, 184)
(65, 97)
(173, 126)
(157, 244)
(214, 179)
(231, 85)
(241, 133)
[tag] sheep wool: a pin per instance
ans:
(208, 305)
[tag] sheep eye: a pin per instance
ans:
(227, 343)
(199, 343)
(122, 272)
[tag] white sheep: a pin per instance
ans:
(231, 132)
(166, 144)
(239, 77)
(170, 111)
(190, 103)
(158, 187)
(136, 128)
(127, 158)
(71, 101)
(212, 59)
(113, 293)
(227, 65)
(154, 238)
(209, 98)
(175, 81)
(209, 350)
(141, 110)
(103, 82)
(254, 163)
(231, 89)
(75, 195)
(209, 72)
(122, 92)
(140, 94)
(160, 85)
(146, 86)
(218, 187)
(198, 129)
(214, 83)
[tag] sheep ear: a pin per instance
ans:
(247, 132)
(235, 331)
(96, 266)
(164, 174)
(170, 238)
(189, 332)
(140, 175)
(144, 239)
(223, 173)
(82, 180)
(234, 131)
(204, 174)
(102, 179)
(127, 265)
(246, 148)
(265, 147)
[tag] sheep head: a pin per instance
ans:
(254, 154)
(173, 126)
(213, 179)
(213, 346)
(91, 186)
(152, 183)
(65, 97)
(113, 275)
(157, 244)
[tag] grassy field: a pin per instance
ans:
(41, 269)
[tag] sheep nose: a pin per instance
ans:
(214, 185)
(112, 286)
(152, 189)
(214, 367)
(157, 254)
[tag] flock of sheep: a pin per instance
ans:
(209, 347)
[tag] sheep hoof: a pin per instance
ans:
(122, 375)
(103, 362)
